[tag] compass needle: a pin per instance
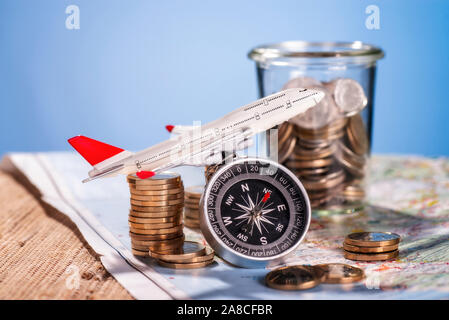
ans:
(264, 212)
(252, 206)
(266, 220)
(245, 200)
(243, 207)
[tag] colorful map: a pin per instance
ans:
(408, 195)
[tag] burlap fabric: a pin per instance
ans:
(42, 253)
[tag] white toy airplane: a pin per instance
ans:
(196, 146)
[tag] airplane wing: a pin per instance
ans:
(179, 129)
(211, 151)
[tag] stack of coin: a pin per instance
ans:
(192, 206)
(155, 217)
(210, 170)
(327, 146)
(371, 246)
(193, 255)
(303, 277)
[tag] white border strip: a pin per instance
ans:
(142, 281)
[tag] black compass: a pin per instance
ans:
(254, 211)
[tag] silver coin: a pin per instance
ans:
(319, 115)
(302, 82)
(348, 95)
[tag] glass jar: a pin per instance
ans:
(327, 147)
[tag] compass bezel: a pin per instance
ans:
(228, 253)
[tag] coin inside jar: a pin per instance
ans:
(357, 135)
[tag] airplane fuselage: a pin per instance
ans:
(236, 126)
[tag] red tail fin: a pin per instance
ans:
(92, 150)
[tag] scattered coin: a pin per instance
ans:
(292, 278)
(153, 237)
(357, 249)
(192, 255)
(371, 256)
(372, 239)
(341, 273)
(192, 265)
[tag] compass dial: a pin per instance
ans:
(254, 211)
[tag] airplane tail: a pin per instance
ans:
(98, 154)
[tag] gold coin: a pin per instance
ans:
(142, 249)
(287, 149)
(140, 253)
(157, 203)
(293, 278)
(156, 231)
(190, 201)
(353, 191)
(357, 249)
(312, 171)
(159, 187)
(154, 220)
(341, 273)
(154, 237)
(372, 239)
(355, 169)
(193, 265)
(194, 191)
(192, 225)
(157, 198)
(167, 209)
(153, 215)
(150, 226)
(328, 181)
(158, 179)
(179, 258)
(318, 163)
(312, 144)
(357, 135)
(312, 154)
(285, 131)
(156, 192)
(159, 243)
(357, 160)
(195, 215)
(191, 249)
(192, 220)
(371, 256)
(190, 208)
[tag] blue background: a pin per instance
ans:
(134, 66)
